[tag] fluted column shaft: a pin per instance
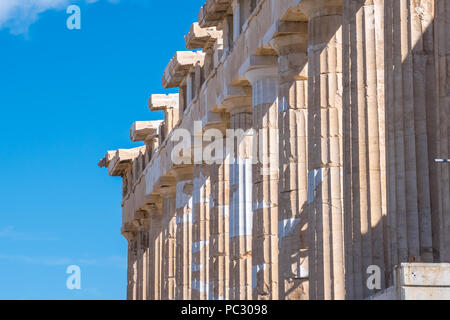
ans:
(411, 118)
(139, 256)
(241, 214)
(145, 264)
(264, 80)
(155, 256)
(325, 162)
(219, 245)
(142, 263)
(293, 182)
(184, 207)
(131, 274)
(168, 194)
(364, 144)
(200, 231)
(439, 130)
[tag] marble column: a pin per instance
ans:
(325, 162)
(239, 147)
(141, 225)
(291, 45)
(200, 232)
(145, 261)
(184, 207)
(364, 144)
(131, 271)
(262, 73)
(439, 130)
(168, 194)
(411, 118)
(219, 243)
(139, 265)
(155, 257)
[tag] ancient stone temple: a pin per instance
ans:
(298, 160)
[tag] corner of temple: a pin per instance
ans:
(295, 91)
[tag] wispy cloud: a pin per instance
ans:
(18, 15)
(10, 233)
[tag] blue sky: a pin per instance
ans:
(66, 97)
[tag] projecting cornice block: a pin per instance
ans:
(201, 38)
(143, 129)
(103, 163)
(213, 12)
(158, 102)
(119, 161)
(178, 68)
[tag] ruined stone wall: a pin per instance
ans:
(338, 110)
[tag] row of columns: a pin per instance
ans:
(333, 170)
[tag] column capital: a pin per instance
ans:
(317, 8)
(154, 210)
(129, 231)
(287, 36)
(142, 219)
(183, 173)
(167, 186)
(258, 68)
(214, 120)
(220, 121)
(290, 41)
(154, 205)
(236, 99)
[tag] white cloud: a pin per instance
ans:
(10, 233)
(18, 15)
